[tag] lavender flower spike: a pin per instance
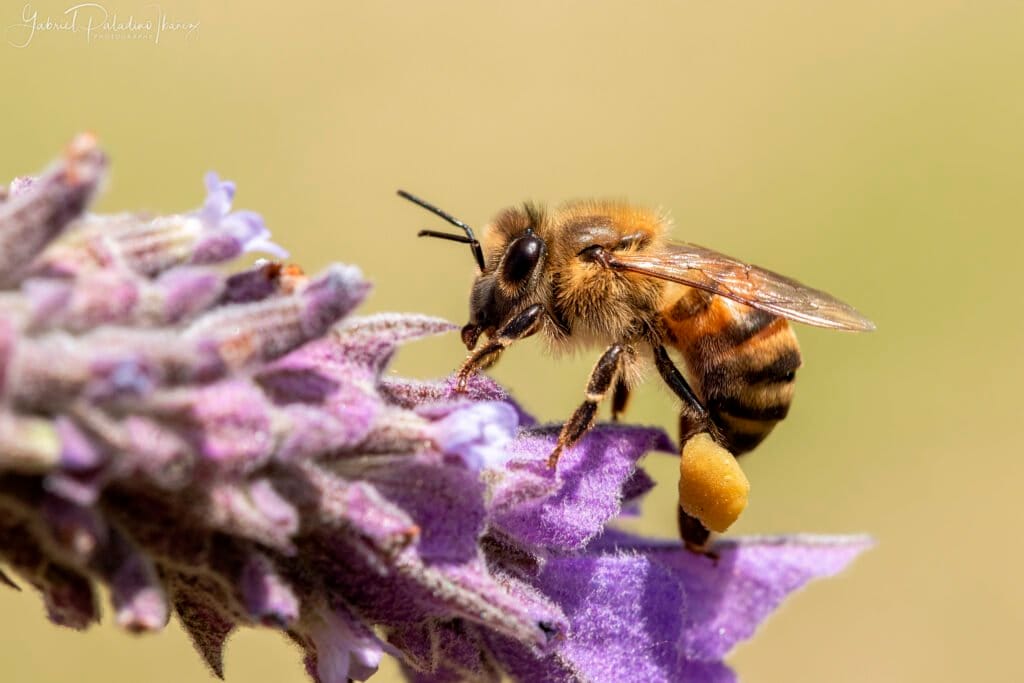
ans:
(37, 212)
(226, 450)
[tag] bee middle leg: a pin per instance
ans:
(520, 326)
(605, 372)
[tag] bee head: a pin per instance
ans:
(516, 258)
(501, 290)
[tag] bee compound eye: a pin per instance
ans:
(521, 258)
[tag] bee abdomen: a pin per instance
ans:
(757, 389)
(744, 363)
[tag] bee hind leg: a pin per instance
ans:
(694, 417)
(601, 377)
(520, 326)
(694, 534)
(620, 399)
(711, 484)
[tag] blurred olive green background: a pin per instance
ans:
(873, 149)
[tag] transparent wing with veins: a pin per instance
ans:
(696, 266)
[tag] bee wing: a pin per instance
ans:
(696, 266)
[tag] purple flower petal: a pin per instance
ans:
(624, 613)
(230, 424)
(229, 233)
(268, 597)
(313, 431)
(752, 578)
(727, 599)
(635, 488)
(219, 195)
(139, 600)
(480, 434)
(48, 299)
(255, 511)
(155, 452)
(78, 450)
(444, 501)
(361, 508)
(344, 649)
(563, 510)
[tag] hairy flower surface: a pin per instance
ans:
(225, 447)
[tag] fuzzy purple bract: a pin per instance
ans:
(224, 447)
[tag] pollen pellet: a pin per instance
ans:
(712, 487)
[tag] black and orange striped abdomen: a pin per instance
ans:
(742, 362)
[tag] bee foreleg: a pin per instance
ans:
(522, 325)
(694, 417)
(601, 377)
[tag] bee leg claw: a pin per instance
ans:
(705, 552)
(522, 325)
(474, 362)
(462, 379)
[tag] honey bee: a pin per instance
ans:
(603, 274)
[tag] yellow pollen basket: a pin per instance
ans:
(712, 487)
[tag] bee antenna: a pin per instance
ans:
(469, 239)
